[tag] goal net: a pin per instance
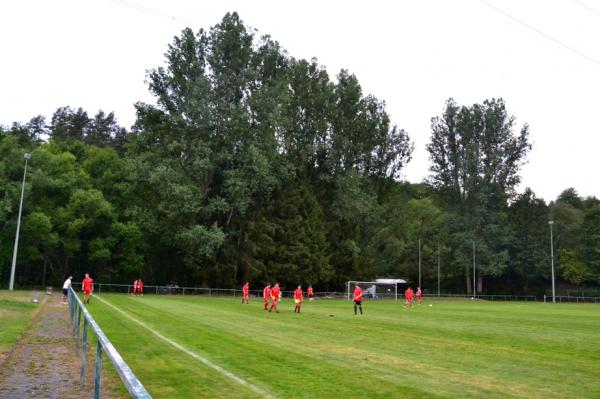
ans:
(377, 289)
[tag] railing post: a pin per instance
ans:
(72, 310)
(157, 290)
(98, 373)
(78, 328)
(83, 350)
(73, 315)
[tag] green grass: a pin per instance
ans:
(454, 349)
(15, 314)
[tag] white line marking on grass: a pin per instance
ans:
(182, 348)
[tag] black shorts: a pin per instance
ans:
(65, 292)
(358, 303)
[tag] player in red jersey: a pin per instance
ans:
(298, 299)
(140, 289)
(275, 292)
(267, 296)
(358, 297)
(309, 293)
(408, 294)
(246, 293)
(87, 286)
(419, 294)
(135, 286)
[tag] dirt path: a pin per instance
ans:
(44, 362)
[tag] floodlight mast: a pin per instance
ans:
(474, 286)
(11, 284)
(551, 222)
(419, 262)
(438, 254)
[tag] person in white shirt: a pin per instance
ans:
(65, 289)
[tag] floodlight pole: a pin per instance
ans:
(419, 262)
(16, 248)
(438, 269)
(551, 222)
(474, 286)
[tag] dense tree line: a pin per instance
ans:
(254, 165)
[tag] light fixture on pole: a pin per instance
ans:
(474, 286)
(438, 269)
(419, 262)
(551, 222)
(16, 248)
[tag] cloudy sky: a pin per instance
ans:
(542, 57)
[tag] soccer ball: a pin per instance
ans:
(430, 305)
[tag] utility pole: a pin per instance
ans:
(551, 222)
(474, 286)
(419, 262)
(16, 248)
(438, 269)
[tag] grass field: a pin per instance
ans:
(453, 349)
(15, 313)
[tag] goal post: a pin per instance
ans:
(378, 289)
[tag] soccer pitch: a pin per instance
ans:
(215, 347)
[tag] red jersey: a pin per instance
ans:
(309, 291)
(245, 288)
(298, 293)
(267, 293)
(358, 294)
(135, 284)
(88, 285)
(419, 294)
(408, 294)
(140, 284)
(275, 292)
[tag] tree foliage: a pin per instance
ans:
(255, 165)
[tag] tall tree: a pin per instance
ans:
(529, 252)
(476, 156)
(591, 242)
(237, 121)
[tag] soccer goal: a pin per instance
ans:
(381, 288)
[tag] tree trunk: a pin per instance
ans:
(480, 283)
(44, 272)
(468, 278)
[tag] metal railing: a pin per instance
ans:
(571, 299)
(487, 297)
(177, 290)
(77, 310)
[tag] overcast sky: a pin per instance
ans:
(412, 54)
